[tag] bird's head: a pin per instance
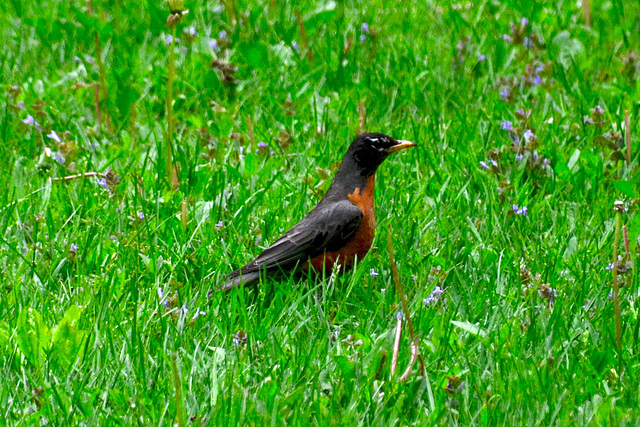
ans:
(369, 150)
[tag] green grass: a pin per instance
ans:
(85, 337)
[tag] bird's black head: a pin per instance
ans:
(369, 150)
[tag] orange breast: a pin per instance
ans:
(360, 242)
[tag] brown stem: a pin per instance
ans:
(586, 12)
(303, 36)
(362, 111)
(82, 175)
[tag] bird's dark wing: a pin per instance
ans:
(326, 227)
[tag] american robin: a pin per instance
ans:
(339, 229)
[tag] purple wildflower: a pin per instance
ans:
(295, 45)
(58, 158)
(493, 162)
(373, 273)
(141, 215)
(507, 38)
(519, 211)
(609, 266)
(399, 315)
(527, 42)
(241, 150)
(220, 224)
(160, 293)
(168, 39)
(102, 182)
(185, 310)
(213, 44)
(484, 164)
(434, 296)
(481, 58)
(518, 157)
(505, 93)
(528, 134)
(192, 32)
(223, 36)
(524, 22)
(507, 125)
(364, 28)
(537, 80)
(262, 146)
(29, 120)
(363, 38)
(53, 135)
(74, 247)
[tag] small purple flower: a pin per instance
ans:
(434, 296)
(507, 125)
(527, 42)
(494, 163)
(74, 247)
(220, 224)
(53, 135)
(295, 45)
(507, 38)
(519, 157)
(610, 296)
(539, 69)
(609, 266)
(399, 315)
(192, 31)
(484, 164)
(363, 38)
(537, 80)
(102, 182)
(213, 44)
(364, 28)
(528, 134)
(168, 39)
(524, 22)
(141, 215)
(373, 273)
(481, 58)
(546, 162)
(223, 36)
(160, 293)
(520, 211)
(58, 158)
(241, 150)
(29, 121)
(505, 93)
(185, 310)
(262, 146)
(535, 156)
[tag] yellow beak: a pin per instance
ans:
(401, 145)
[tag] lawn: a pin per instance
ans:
(148, 154)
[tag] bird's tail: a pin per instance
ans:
(237, 279)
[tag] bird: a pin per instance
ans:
(339, 230)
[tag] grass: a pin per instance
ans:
(103, 276)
